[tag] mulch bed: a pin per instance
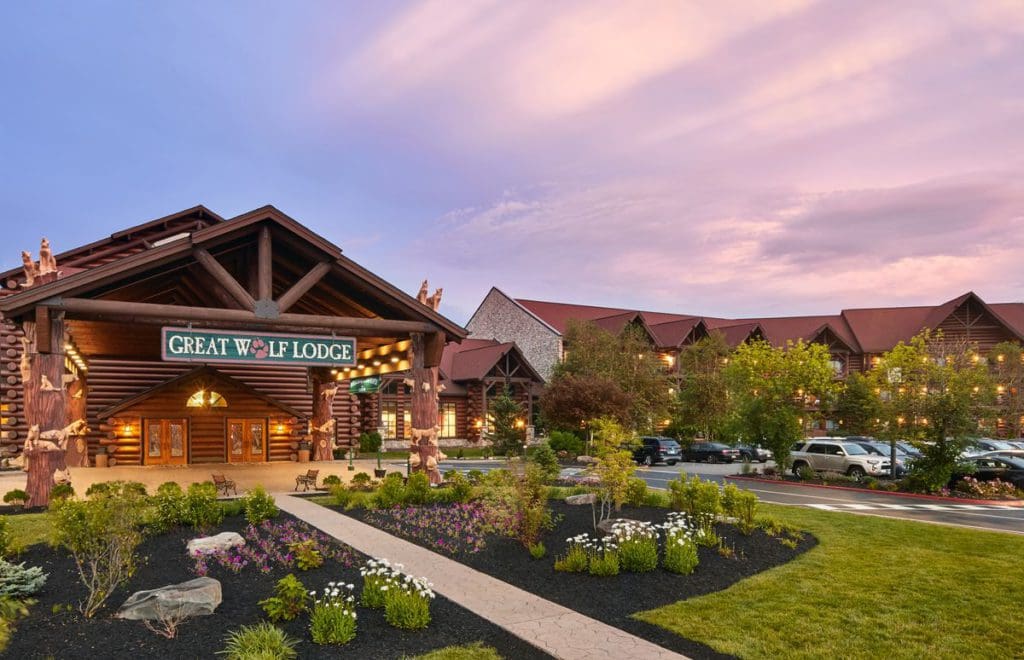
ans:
(69, 635)
(613, 599)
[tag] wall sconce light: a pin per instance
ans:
(126, 429)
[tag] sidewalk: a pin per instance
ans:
(550, 627)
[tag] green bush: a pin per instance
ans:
(202, 511)
(10, 610)
(105, 487)
(340, 496)
(636, 491)
(407, 604)
(544, 458)
(378, 577)
(741, 505)
(333, 617)
(361, 481)
(517, 506)
(604, 563)
(263, 641)
(306, 554)
(567, 442)
(16, 497)
(475, 477)
(331, 480)
(370, 442)
(638, 546)
(694, 496)
(259, 506)
(680, 554)
(288, 601)
(576, 559)
(805, 472)
(461, 489)
(61, 492)
(169, 507)
(417, 489)
(102, 535)
(538, 551)
(391, 492)
(235, 507)
(16, 581)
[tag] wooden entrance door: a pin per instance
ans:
(247, 440)
(166, 441)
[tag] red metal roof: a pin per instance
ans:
(473, 359)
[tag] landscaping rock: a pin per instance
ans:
(219, 543)
(197, 597)
(586, 460)
(604, 528)
(578, 500)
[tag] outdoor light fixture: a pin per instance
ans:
(394, 359)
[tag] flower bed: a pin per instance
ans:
(613, 598)
(52, 630)
(451, 529)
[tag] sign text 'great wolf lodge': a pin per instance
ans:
(187, 345)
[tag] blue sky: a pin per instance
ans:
(730, 159)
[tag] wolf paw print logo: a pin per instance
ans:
(258, 348)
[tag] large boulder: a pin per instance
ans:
(578, 500)
(197, 597)
(218, 543)
(604, 528)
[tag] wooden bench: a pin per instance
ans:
(224, 484)
(307, 480)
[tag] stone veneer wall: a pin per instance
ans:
(502, 319)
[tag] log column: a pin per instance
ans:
(46, 410)
(425, 453)
(324, 391)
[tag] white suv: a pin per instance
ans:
(836, 455)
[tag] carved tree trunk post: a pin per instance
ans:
(425, 452)
(324, 389)
(45, 404)
(77, 454)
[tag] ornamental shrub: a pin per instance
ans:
(680, 545)
(16, 581)
(745, 511)
(333, 617)
(16, 497)
(638, 545)
(202, 510)
(361, 481)
(417, 489)
(263, 641)
(538, 551)
(636, 492)
(475, 476)
(604, 562)
(259, 506)
(391, 492)
(102, 535)
(288, 601)
(407, 603)
(694, 496)
(10, 610)
(545, 459)
(370, 443)
(340, 496)
(566, 441)
(517, 505)
(105, 487)
(169, 508)
(6, 541)
(331, 480)
(378, 575)
(61, 492)
(461, 489)
(577, 555)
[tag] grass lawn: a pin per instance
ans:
(28, 529)
(476, 651)
(874, 587)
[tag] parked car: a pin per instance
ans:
(909, 449)
(754, 453)
(657, 450)
(1019, 444)
(710, 452)
(884, 450)
(988, 468)
(837, 455)
(980, 445)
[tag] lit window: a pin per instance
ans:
(406, 424)
(448, 420)
(389, 419)
(206, 399)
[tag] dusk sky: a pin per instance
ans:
(721, 158)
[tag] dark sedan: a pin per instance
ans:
(754, 453)
(1004, 468)
(710, 452)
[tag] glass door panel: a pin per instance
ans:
(154, 442)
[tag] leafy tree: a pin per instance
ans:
(857, 405)
(569, 400)
(615, 466)
(933, 392)
(505, 412)
(772, 390)
(702, 403)
(1006, 361)
(626, 359)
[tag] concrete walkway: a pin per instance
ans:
(550, 627)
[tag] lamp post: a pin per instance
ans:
(381, 431)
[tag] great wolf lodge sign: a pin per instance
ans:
(187, 345)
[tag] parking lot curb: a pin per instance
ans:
(913, 496)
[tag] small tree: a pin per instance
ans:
(1006, 361)
(857, 406)
(772, 391)
(615, 465)
(932, 391)
(506, 414)
(702, 403)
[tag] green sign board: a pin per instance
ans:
(365, 385)
(188, 345)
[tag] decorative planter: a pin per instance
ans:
(101, 460)
(304, 456)
(379, 473)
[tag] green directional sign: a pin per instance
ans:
(188, 345)
(365, 385)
